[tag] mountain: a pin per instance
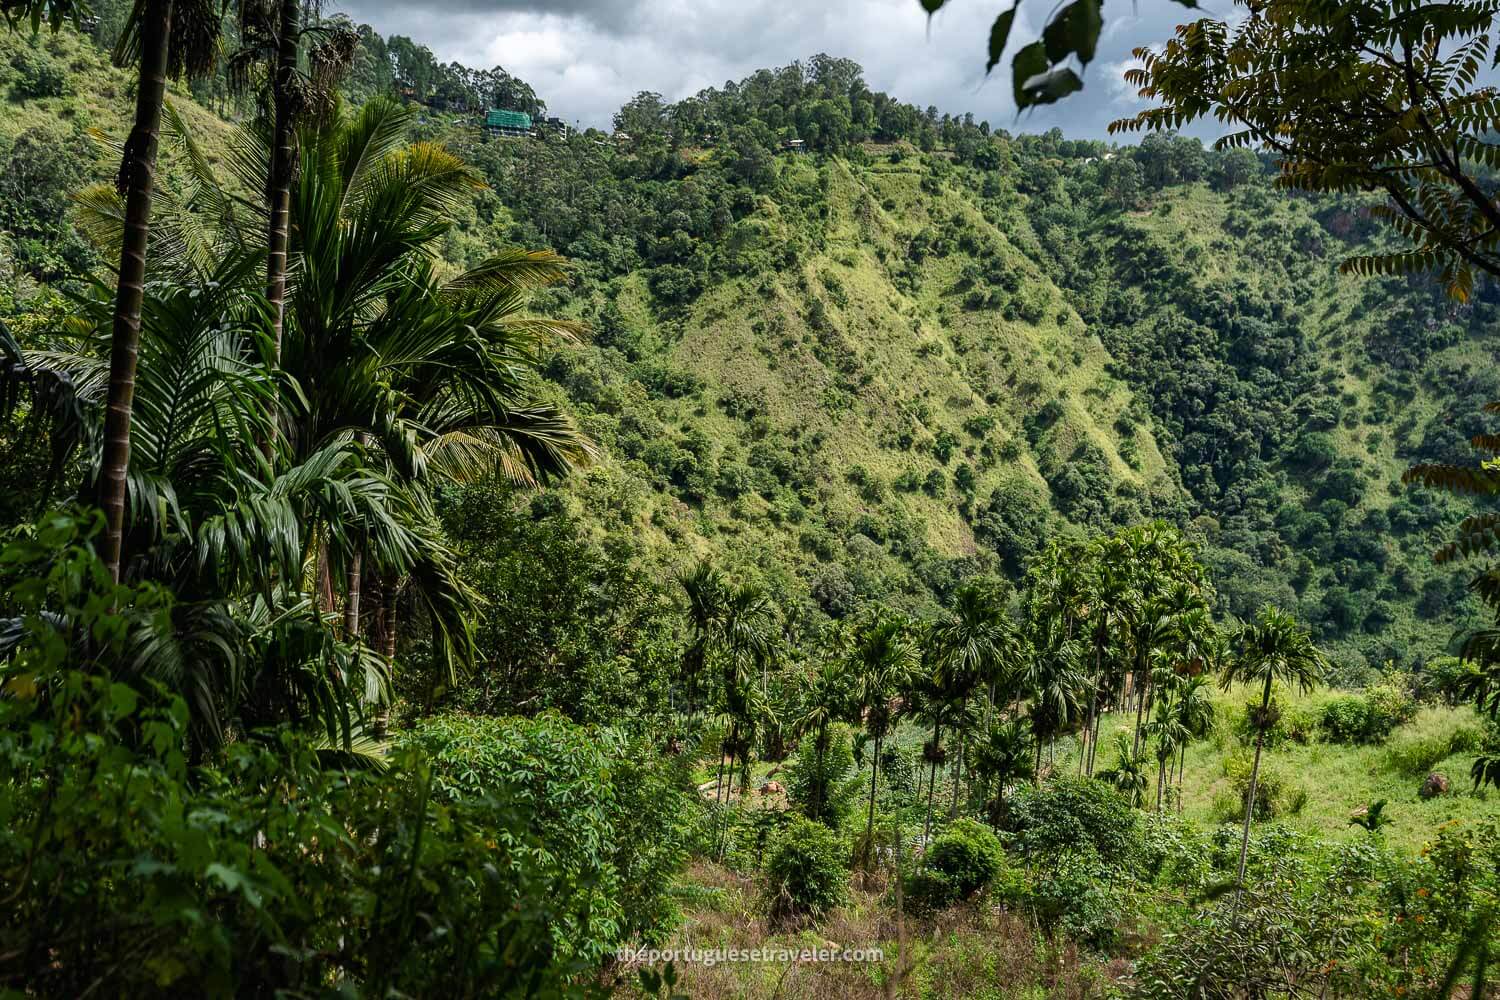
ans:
(924, 347)
(889, 368)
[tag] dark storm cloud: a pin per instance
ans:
(587, 57)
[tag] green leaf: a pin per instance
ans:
(1075, 30)
(999, 36)
(233, 881)
(122, 700)
(1052, 86)
(1028, 63)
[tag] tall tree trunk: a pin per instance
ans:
(819, 749)
(719, 778)
(958, 774)
(733, 742)
(389, 588)
(351, 597)
(931, 780)
(1161, 778)
(385, 630)
(1094, 742)
(1084, 752)
(1260, 740)
(352, 583)
(1140, 705)
(138, 172)
(1181, 768)
(324, 582)
(870, 814)
(283, 152)
(1036, 770)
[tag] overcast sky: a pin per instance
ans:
(587, 57)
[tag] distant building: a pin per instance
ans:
(513, 123)
(795, 145)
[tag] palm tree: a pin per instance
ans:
(827, 701)
(703, 588)
(1129, 771)
(1108, 588)
(1194, 711)
(434, 378)
(926, 701)
(160, 46)
(271, 36)
(1051, 680)
(742, 634)
(428, 379)
(1269, 649)
(243, 641)
(972, 644)
(1002, 756)
(879, 667)
(1167, 730)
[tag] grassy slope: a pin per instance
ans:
(1338, 779)
(922, 363)
(98, 96)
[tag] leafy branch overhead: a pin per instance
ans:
(1361, 96)
(1040, 71)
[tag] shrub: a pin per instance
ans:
(1389, 706)
(807, 872)
(1298, 724)
(823, 791)
(1275, 796)
(1075, 898)
(38, 74)
(1346, 719)
(961, 861)
(600, 819)
(1070, 815)
(898, 769)
(1417, 754)
(1368, 718)
(268, 871)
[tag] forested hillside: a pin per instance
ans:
(867, 365)
(927, 347)
(436, 562)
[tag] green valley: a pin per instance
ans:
(452, 553)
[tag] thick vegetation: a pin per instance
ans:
(986, 547)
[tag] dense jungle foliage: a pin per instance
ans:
(989, 548)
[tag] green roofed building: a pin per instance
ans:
(499, 122)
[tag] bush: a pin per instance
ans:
(807, 872)
(1368, 718)
(1298, 723)
(1389, 707)
(602, 823)
(1346, 719)
(1069, 815)
(38, 74)
(961, 861)
(269, 870)
(1416, 755)
(1275, 796)
(1075, 898)
(824, 791)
